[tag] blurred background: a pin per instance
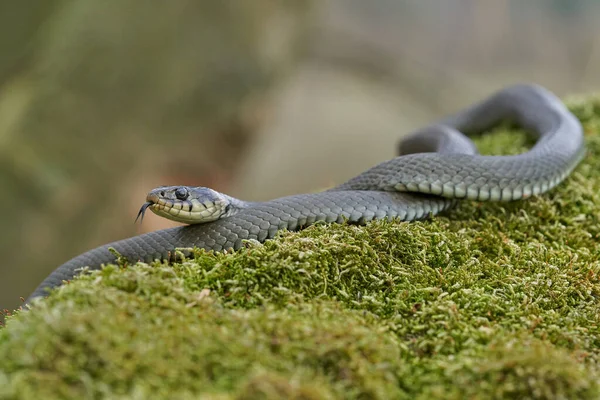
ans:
(102, 101)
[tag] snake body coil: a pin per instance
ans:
(439, 165)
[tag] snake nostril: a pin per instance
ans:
(162, 193)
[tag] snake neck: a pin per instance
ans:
(234, 205)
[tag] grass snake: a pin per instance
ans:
(437, 166)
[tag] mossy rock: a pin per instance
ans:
(492, 300)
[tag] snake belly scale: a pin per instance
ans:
(438, 166)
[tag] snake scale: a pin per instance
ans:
(437, 166)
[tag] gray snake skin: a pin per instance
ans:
(438, 165)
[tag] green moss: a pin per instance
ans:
(492, 300)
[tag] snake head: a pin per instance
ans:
(190, 205)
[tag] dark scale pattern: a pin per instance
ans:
(447, 164)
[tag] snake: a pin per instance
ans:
(437, 167)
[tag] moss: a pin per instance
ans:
(492, 300)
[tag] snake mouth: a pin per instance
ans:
(187, 212)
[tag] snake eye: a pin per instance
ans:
(181, 193)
